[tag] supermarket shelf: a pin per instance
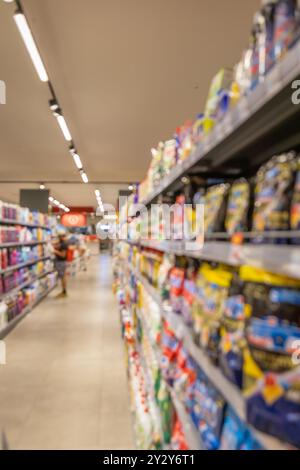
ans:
(22, 286)
(231, 393)
(23, 224)
(15, 244)
(13, 323)
(23, 265)
(280, 259)
(262, 124)
(192, 435)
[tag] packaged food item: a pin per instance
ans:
(198, 130)
(212, 291)
(271, 378)
(273, 193)
(185, 136)
(233, 340)
(238, 207)
(285, 26)
(163, 275)
(178, 441)
(207, 411)
(176, 280)
(189, 293)
(218, 100)
(235, 435)
(215, 208)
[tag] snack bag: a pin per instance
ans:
(163, 275)
(266, 37)
(215, 208)
(185, 136)
(238, 207)
(233, 340)
(207, 411)
(198, 130)
(212, 291)
(273, 193)
(189, 294)
(217, 101)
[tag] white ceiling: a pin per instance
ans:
(126, 73)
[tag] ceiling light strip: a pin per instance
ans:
(59, 205)
(32, 48)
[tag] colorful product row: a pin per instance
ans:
(268, 202)
(12, 280)
(10, 257)
(14, 213)
(16, 303)
(22, 235)
(247, 322)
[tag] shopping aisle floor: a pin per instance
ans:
(64, 385)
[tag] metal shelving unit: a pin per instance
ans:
(13, 323)
(22, 224)
(244, 139)
(23, 265)
(231, 393)
(16, 244)
(279, 259)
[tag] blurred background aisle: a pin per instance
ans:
(59, 389)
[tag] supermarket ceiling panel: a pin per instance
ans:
(126, 74)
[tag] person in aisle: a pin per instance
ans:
(60, 251)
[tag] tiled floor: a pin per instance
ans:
(64, 385)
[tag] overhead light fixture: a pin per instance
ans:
(77, 161)
(64, 128)
(130, 187)
(97, 192)
(51, 199)
(42, 186)
(57, 112)
(31, 46)
(56, 202)
(84, 177)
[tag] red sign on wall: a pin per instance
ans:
(74, 219)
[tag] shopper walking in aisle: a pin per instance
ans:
(60, 251)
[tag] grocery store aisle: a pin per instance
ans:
(64, 385)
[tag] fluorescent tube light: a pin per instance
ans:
(51, 199)
(77, 161)
(31, 47)
(84, 177)
(64, 128)
(97, 192)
